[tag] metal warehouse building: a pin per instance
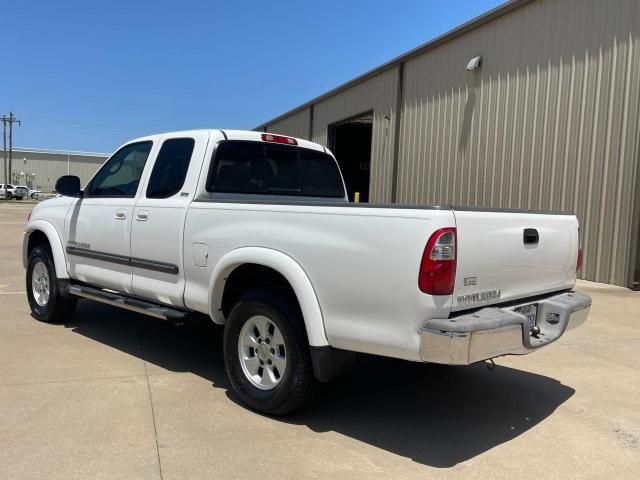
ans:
(39, 169)
(549, 120)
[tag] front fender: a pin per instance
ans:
(57, 250)
(288, 268)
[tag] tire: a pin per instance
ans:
(52, 307)
(9, 196)
(295, 385)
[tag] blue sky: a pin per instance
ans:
(91, 75)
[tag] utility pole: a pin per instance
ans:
(4, 148)
(10, 120)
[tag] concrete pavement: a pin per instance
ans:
(116, 395)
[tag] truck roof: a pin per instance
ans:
(247, 135)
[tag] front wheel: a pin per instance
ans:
(266, 353)
(46, 302)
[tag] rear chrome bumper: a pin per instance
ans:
(492, 332)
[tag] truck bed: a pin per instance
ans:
(363, 259)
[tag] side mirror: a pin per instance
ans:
(68, 185)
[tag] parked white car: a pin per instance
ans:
(31, 193)
(10, 191)
(255, 231)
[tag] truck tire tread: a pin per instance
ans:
(58, 309)
(298, 384)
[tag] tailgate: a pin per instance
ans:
(508, 255)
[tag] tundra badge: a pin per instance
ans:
(479, 297)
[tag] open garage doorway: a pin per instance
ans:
(350, 141)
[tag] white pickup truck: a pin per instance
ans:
(10, 191)
(254, 230)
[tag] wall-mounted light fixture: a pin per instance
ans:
(474, 63)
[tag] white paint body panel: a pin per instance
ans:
(491, 250)
(354, 269)
(49, 217)
(54, 236)
(362, 263)
(280, 262)
(92, 221)
(157, 229)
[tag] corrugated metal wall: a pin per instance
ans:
(296, 125)
(40, 170)
(378, 94)
(550, 121)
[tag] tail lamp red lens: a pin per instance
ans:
(267, 137)
(437, 274)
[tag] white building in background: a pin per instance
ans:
(39, 169)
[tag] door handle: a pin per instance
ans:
(121, 214)
(530, 236)
(142, 215)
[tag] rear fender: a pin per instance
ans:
(288, 268)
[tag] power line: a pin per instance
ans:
(84, 124)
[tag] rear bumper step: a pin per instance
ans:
(135, 305)
(492, 332)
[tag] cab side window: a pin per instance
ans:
(170, 169)
(120, 176)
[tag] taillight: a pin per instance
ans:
(579, 262)
(267, 137)
(437, 274)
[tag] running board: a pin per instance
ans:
(177, 317)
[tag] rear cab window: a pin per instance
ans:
(170, 168)
(269, 169)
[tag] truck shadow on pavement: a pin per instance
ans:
(435, 415)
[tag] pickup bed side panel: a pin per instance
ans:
(282, 263)
(361, 262)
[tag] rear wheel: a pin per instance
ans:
(266, 353)
(45, 299)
